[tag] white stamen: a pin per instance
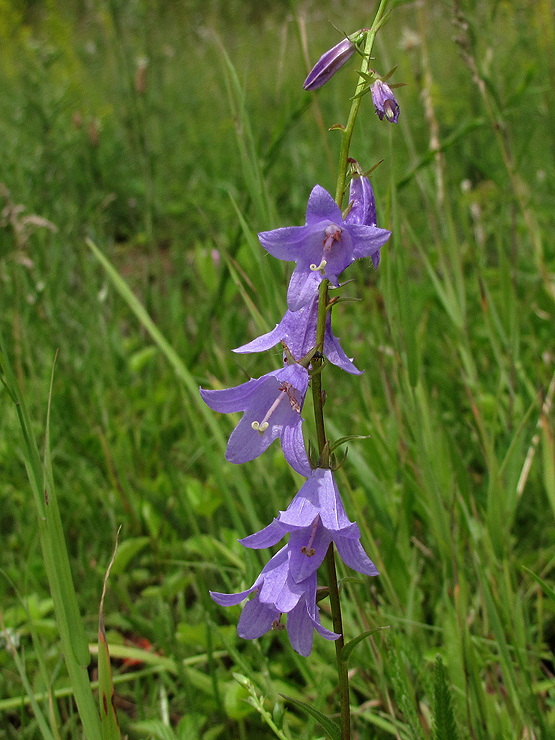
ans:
(261, 426)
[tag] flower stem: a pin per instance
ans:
(317, 394)
(355, 105)
(342, 669)
(318, 403)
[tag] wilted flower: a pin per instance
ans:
(272, 406)
(315, 517)
(323, 247)
(384, 101)
(297, 330)
(330, 62)
(277, 593)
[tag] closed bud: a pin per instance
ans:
(384, 102)
(332, 60)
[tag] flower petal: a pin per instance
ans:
(228, 400)
(321, 207)
(256, 619)
(368, 239)
(266, 537)
(361, 195)
(352, 553)
(334, 352)
(283, 243)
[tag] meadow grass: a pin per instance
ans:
(166, 135)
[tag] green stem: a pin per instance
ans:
(317, 397)
(355, 105)
(342, 667)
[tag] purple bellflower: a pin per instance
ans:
(323, 247)
(298, 331)
(330, 62)
(363, 209)
(277, 593)
(272, 406)
(315, 518)
(384, 102)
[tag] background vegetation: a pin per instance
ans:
(169, 133)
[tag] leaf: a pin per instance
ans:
(548, 590)
(350, 646)
(445, 727)
(348, 438)
(156, 728)
(108, 717)
(330, 727)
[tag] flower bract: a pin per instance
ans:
(272, 407)
(322, 248)
(277, 593)
(315, 517)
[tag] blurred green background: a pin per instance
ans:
(169, 133)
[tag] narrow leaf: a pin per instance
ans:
(350, 646)
(332, 730)
(108, 718)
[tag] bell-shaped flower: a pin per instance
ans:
(322, 248)
(315, 517)
(272, 406)
(297, 330)
(363, 207)
(384, 102)
(277, 593)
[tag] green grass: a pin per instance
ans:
(455, 332)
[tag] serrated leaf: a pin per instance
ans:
(351, 645)
(445, 727)
(332, 730)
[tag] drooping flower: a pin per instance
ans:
(322, 248)
(315, 517)
(298, 331)
(363, 209)
(277, 593)
(330, 62)
(384, 101)
(272, 406)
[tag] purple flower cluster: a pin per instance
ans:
(272, 405)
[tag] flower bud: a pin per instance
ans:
(330, 62)
(384, 102)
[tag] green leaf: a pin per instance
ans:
(348, 438)
(350, 646)
(547, 589)
(445, 727)
(108, 717)
(330, 727)
(156, 728)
